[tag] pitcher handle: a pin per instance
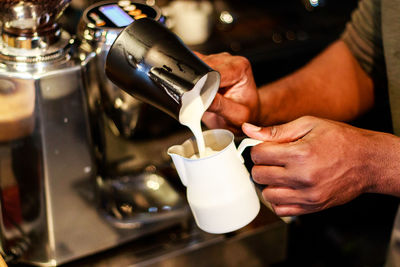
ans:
(246, 143)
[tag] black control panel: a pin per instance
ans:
(119, 14)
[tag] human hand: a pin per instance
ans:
(237, 100)
(311, 164)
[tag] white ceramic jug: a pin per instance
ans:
(220, 193)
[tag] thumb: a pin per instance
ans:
(284, 133)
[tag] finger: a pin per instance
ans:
(272, 176)
(235, 71)
(232, 68)
(290, 210)
(271, 154)
(214, 121)
(287, 132)
(285, 196)
(234, 113)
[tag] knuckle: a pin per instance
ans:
(242, 61)
(306, 176)
(306, 118)
(308, 180)
(307, 121)
(217, 105)
(224, 54)
(303, 153)
(306, 151)
(273, 131)
(315, 198)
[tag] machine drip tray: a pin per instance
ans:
(261, 243)
(133, 201)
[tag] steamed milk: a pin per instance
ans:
(190, 115)
(207, 152)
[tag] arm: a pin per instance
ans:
(311, 164)
(333, 85)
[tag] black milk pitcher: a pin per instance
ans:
(151, 63)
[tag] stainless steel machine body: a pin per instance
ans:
(116, 112)
(96, 37)
(122, 158)
(49, 179)
(46, 151)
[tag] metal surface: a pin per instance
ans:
(260, 244)
(122, 110)
(43, 166)
(48, 53)
(48, 175)
(151, 63)
(30, 16)
(115, 115)
(133, 201)
(50, 210)
(29, 31)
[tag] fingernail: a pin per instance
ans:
(252, 127)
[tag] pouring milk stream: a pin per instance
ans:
(191, 113)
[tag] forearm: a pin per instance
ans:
(333, 85)
(381, 157)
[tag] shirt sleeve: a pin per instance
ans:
(363, 35)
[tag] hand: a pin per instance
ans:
(311, 164)
(237, 101)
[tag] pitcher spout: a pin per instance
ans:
(176, 152)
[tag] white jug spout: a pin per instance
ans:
(179, 162)
(246, 143)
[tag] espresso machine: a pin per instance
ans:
(118, 116)
(125, 147)
(57, 201)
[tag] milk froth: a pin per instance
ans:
(206, 153)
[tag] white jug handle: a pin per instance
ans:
(246, 143)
